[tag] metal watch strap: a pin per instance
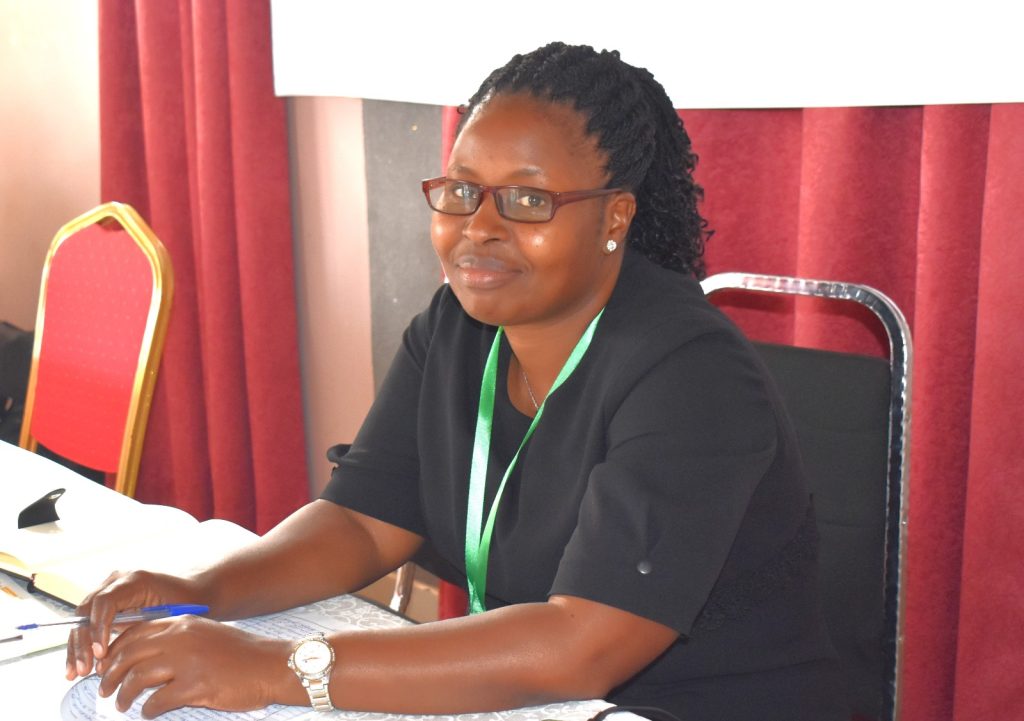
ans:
(316, 686)
(318, 696)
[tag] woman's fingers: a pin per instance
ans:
(149, 673)
(79, 653)
(120, 592)
(81, 641)
(129, 651)
(194, 662)
(166, 698)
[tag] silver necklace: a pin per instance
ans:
(529, 390)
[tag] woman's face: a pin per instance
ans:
(511, 273)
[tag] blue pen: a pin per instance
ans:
(143, 614)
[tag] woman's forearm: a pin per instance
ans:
(521, 655)
(319, 551)
(525, 654)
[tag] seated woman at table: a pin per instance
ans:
(638, 527)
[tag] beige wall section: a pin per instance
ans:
(332, 278)
(49, 137)
(332, 268)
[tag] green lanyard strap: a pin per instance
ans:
(478, 543)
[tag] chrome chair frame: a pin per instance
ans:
(897, 492)
(404, 578)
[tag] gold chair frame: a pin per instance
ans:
(153, 337)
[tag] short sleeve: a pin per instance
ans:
(379, 476)
(687, 447)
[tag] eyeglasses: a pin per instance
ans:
(514, 202)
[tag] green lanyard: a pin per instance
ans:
(478, 544)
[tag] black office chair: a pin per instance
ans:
(852, 417)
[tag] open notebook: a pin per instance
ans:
(99, 531)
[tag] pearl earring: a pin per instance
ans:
(610, 246)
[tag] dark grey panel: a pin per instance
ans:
(403, 146)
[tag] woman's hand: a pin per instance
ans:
(121, 592)
(197, 662)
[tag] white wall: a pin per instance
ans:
(720, 54)
(49, 137)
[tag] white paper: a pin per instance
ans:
(83, 702)
(18, 607)
(86, 706)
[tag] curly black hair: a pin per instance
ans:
(633, 120)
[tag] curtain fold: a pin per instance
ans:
(953, 152)
(926, 205)
(990, 634)
(193, 137)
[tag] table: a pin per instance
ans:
(34, 685)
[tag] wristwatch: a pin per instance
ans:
(312, 661)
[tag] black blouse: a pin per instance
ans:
(663, 479)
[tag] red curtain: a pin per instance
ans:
(927, 205)
(990, 649)
(193, 137)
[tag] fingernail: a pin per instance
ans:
(82, 670)
(97, 650)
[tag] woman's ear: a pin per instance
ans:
(618, 215)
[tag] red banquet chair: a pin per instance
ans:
(104, 303)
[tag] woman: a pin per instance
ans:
(638, 528)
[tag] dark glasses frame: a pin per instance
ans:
(558, 198)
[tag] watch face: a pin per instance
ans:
(312, 657)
